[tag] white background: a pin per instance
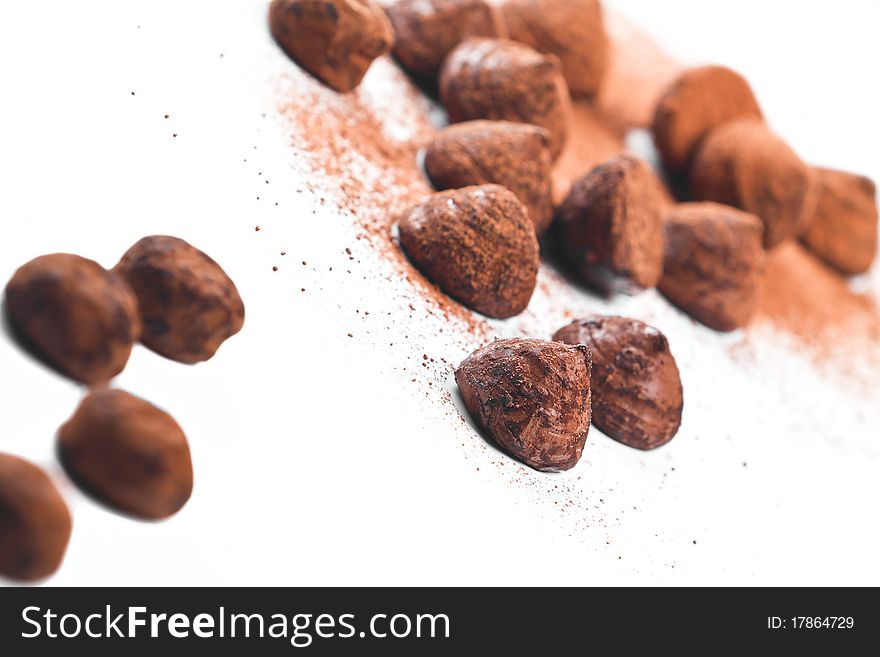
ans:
(317, 461)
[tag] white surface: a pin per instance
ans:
(317, 461)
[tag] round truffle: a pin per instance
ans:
(612, 227)
(334, 40)
(532, 397)
(637, 397)
(745, 165)
(713, 264)
(426, 30)
(513, 155)
(189, 306)
(841, 227)
(128, 454)
(697, 102)
(477, 244)
(500, 79)
(74, 314)
(34, 521)
(572, 30)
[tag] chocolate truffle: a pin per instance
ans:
(745, 165)
(570, 29)
(77, 316)
(611, 225)
(128, 454)
(637, 397)
(713, 263)
(334, 40)
(499, 79)
(513, 155)
(426, 30)
(188, 304)
(532, 397)
(34, 521)
(698, 101)
(477, 244)
(841, 227)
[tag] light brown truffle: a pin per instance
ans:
(841, 227)
(128, 454)
(477, 244)
(572, 30)
(611, 225)
(188, 304)
(334, 40)
(34, 521)
(532, 397)
(499, 79)
(513, 155)
(744, 164)
(637, 396)
(697, 102)
(713, 264)
(426, 30)
(77, 316)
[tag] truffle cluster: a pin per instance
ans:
(83, 320)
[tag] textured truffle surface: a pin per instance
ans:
(513, 155)
(611, 225)
(532, 397)
(188, 304)
(500, 79)
(426, 30)
(744, 164)
(572, 30)
(477, 244)
(128, 454)
(697, 102)
(841, 227)
(637, 396)
(34, 521)
(79, 317)
(714, 263)
(334, 40)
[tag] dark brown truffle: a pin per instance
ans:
(841, 227)
(34, 521)
(611, 225)
(713, 264)
(698, 101)
(745, 165)
(499, 79)
(637, 398)
(334, 40)
(426, 30)
(532, 397)
(477, 244)
(188, 304)
(79, 317)
(128, 454)
(570, 29)
(513, 155)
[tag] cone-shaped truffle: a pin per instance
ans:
(513, 155)
(745, 165)
(713, 264)
(611, 225)
(477, 244)
(334, 40)
(697, 102)
(842, 226)
(637, 396)
(532, 397)
(499, 79)
(34, 521)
